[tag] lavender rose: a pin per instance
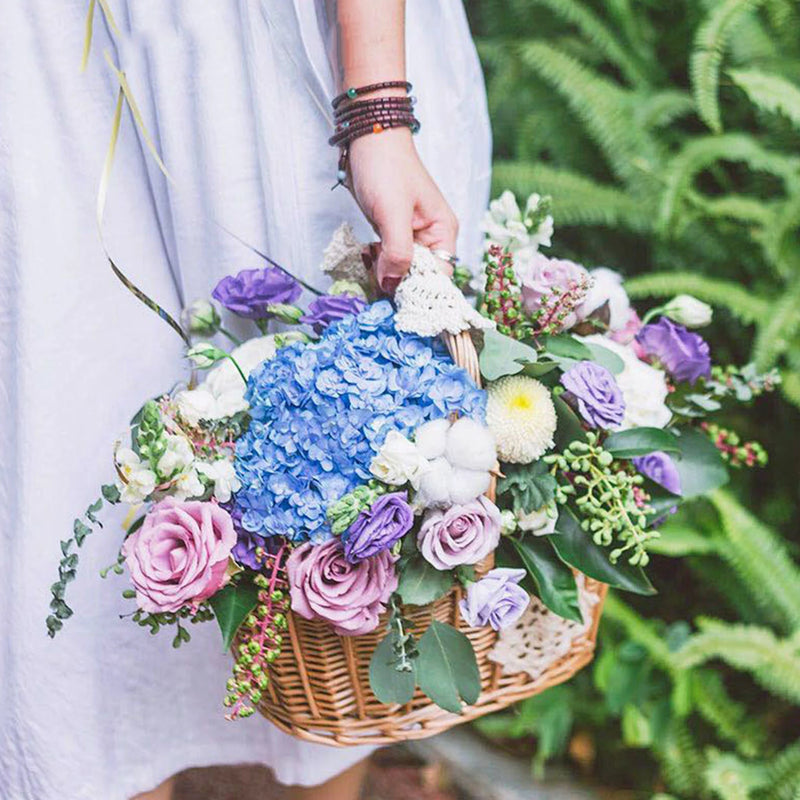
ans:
(461, 534)
(497, 599)
(661, 469)
(389, 519)
(596, 393)
(539, 275)
(249, 293)
(684, 354)
(331, 307)
(324, 585)
(179, 555)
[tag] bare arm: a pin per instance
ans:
(390, 183)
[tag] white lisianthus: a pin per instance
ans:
(139, 481)
(644, 388)
(222, 474)
(505, 225)
(201, 318)
(542, 236)
(508, 522)
(204, 355)
(689, 311)
(177, 456)
(540, 522)
(399, 462)
(607, 288)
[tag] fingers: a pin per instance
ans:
(437, 227)
(397, 247)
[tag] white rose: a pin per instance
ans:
(178, 456)
(689, 311)
(540, 522)
(139, 480)
(643, 387)
(222, 474)
(399, 461)
(607, 288)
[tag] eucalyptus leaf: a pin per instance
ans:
(389, 684)
(566, 346)
(501, 355)
(231, 605)
(421, 583)
(575, 547)
(447, 670)
(641, 441)
(606, 358)
(539, 369)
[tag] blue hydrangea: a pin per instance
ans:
(320, 412)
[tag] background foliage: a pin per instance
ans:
(668, 134)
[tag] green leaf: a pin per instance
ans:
(231, 605)
(678, 540)
(568, 426)
(576, 548)
(501, 355)
(81, 531)
(565, 346)
(606, 358)
(539, 369)
(422, 583)
(553, 578)
(110, 493)
(700, 466)
(447, 669)
(530, 485)
(641, 441)
(389, 684)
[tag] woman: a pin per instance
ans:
(237, 96)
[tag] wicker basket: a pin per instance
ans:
(319, 686)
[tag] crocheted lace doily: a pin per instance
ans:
(541, 637)
(429, 303)
(342, 257)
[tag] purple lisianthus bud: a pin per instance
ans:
(596, 393)
(331, 307)
(389, 519)
(661, 469)
(497, 599)
(684, 354)
(324, 585)
(249, 293)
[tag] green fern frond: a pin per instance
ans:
(780, 238)
(659, 109)
(731, 719)
(780, 327)
(729, 778)
(760, 559)
(682, 763)
(576, 200)
(599, 35)
(702, 152)
(790, 387)
(784, 774)
(740, 302)
(710, 43)
(774, 663)
(639, 629)
(734, 206)
(771, 93)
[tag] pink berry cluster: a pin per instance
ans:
(733, 450)
(502, 300)
(556, 308)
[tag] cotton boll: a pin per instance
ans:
(465, 485)
(434, 485)
(431, 438)
(470, 445)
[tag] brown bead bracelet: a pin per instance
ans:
(356, 91)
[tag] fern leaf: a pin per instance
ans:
(790, 387)
(576, 200)
(760, 559)
(779, 328)
(659, 109)
(774, 663)
(638, 629)
(729, 778)
(681, 761)
(740, 302)
(779, 237)
(710, 43)
(769, 92)
(784, 774)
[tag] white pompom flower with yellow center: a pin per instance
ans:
(521, 415)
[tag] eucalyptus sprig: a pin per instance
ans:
(155, 622)
(404, 643)
(609, 500)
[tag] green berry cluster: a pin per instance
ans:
(736, 452)
(259, 639)
(607, 499)
(344, 512)
(502, 301)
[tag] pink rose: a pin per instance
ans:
(325, 585)
(539, 275)
(179, 555)
(460, 534)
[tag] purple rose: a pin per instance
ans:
(330, 308)
(540, 275)
(684, 354)
(461, 534)
(179, 556)
(497, 599)
(389, 519)
(324, 585)
(598, 397)
(661, 469)
(249, 293)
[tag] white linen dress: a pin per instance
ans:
(233, 92)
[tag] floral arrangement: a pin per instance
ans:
(339, 469)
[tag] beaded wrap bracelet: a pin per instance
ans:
(354, 118)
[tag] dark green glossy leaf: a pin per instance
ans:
(641, 441)
(569, 428)
(501, 355)
(447, 670)
(530, 486)
(701, 467)
(576, 548)
(389, 684)
(422, 583)
(231, 605)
